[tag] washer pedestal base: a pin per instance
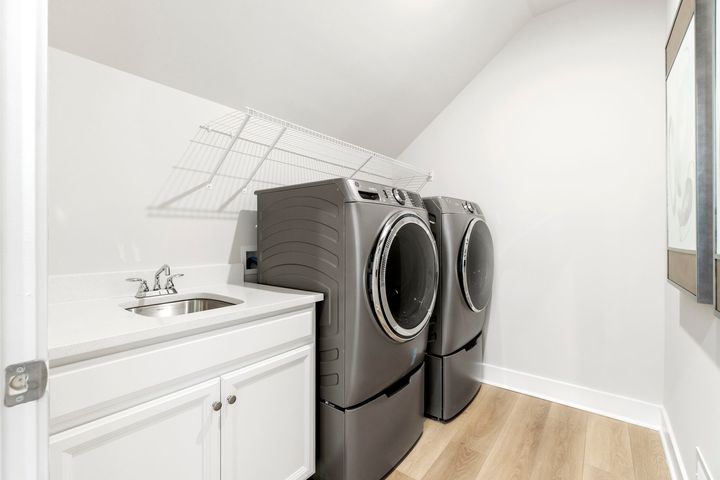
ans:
(451, 381)
(367, 441)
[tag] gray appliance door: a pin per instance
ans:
(475, 265)
(403, 277)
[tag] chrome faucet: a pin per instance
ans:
(165, 268)
(169, 288)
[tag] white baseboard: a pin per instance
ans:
(672, 453)
(703, 471)
(607, 404)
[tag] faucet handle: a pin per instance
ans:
(169, 284)
(142, 288)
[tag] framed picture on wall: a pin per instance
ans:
(690, 149)
(716, 180)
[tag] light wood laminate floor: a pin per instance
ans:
(504, 435)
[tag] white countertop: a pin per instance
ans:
(79, 330)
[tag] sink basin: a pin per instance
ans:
(180, 307)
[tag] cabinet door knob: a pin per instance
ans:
(231, 399)
(216, 406)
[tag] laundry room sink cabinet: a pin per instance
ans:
(235, 403)
(268, 432)
(174, 436)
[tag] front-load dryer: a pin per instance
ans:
(454, 350)
(368, 248)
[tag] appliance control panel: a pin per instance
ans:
(373, 192)
(456, 205)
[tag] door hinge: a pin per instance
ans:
(25, 382)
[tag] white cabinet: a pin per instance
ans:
(176, 436)
(230, 404)
(267, 430)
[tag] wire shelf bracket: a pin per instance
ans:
(243, 188)
(227, 151)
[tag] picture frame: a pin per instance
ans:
(689, 55)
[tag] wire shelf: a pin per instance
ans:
(246, 150)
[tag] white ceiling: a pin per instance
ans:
(372, 72)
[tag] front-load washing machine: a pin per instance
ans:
(455, 345)
(369, 250)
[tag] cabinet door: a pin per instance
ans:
(268, 433)
(176, 436)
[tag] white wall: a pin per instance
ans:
(692, 369)
(692, 379)
(113, 140)
(560, 141)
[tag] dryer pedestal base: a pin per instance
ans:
(451, 381)
(367, 441)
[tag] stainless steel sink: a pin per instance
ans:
(180, 307)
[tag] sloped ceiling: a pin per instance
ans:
(371, 72)
(541, 6)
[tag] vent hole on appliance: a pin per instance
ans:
(369, 195)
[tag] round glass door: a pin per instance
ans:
(476, 265)
(404, 277)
